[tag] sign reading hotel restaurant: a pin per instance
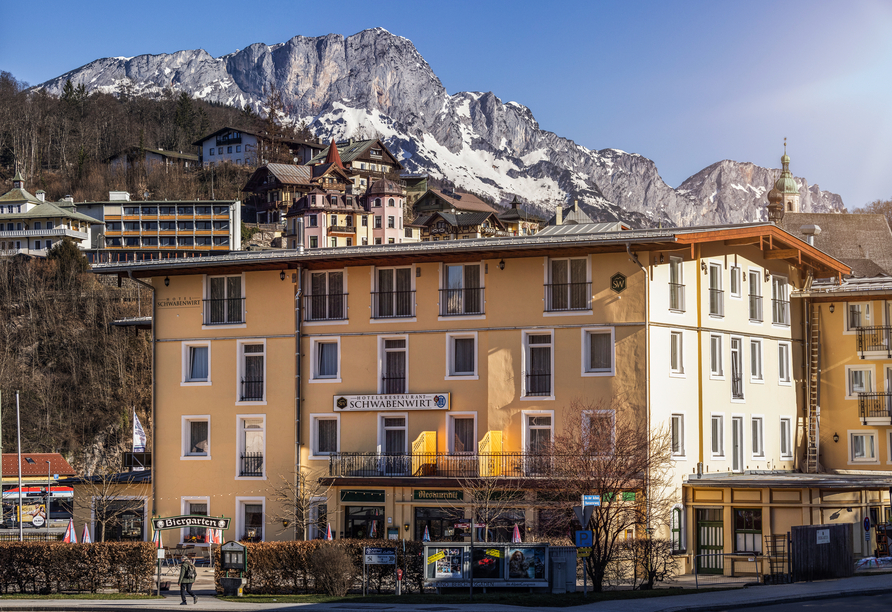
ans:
(397, 401)
(181, 522)
(179, 302)
(423, 494)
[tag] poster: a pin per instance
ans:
(30, 511)
(526, 563)
(448, 565)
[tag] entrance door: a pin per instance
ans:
(710, 541)
(737, 444)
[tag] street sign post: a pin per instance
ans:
(583, 514)
(583, 539)
(373, 555)
(591, 500)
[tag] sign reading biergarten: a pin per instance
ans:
(403, 401)
(181, 522)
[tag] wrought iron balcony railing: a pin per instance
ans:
(568, 296)
(538, 383)
(252, 390)
(225, 311)
(251, 465)
(393, 304)
(442, 465)
(455, 302)
(875, 406)
(875, 339)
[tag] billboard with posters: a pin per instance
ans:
(33, 513)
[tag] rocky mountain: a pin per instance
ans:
(376, 83)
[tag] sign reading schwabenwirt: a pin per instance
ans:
(402, 401)
(179, 522)
(179, 302)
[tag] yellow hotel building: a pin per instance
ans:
(360, 363)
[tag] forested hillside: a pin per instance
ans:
(79, 377)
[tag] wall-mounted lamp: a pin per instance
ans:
(167, 281)
(502, 265)
(285, 523)
(832, 308)
(406, 527)
(282, 275)
(836, 437)
(661, 258)
(703, 265)
(767, 276)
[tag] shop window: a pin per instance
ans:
(748, 531)
(364, 522)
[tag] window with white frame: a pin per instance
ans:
(715, 356)
(859, 379)
(786, 437)
(538, 428)
(598, 351)
(784, 375)
(568, 287)
(676, 528)
(857, 315)
(863, 447)
(326, 434)
(225, 302)
(250, 519)
(197, 363)
(538, 363)
(780, 301)
(461, 355)
(676, 284)
(758, 437)
(755, 360)
(394, 296)
(462, 434)
(676, 352)
(718, 435)
(393, 361)
(676, 430)
(735, 282)
(326, 363)
(716, 294)
(326, 299)
(198, 506)
(197, 436)
(755, 296)
(251, 445)
(736, 368)
(462, 292)
(252, 366)
(393, 434)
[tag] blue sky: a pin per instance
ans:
(683, 83)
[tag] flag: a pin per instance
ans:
(427, 535)
(139, 439)
(373, 533)
(328, 533)
(515, 537)
(85, 536)
(70, 535)
(213, 536)
(156, 538)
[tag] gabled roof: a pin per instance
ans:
(287, 174)
(349, 151)
(516, 214)
(16, 195)
(463, 219)
(459, 200)
(144, 476)
(34, 464)
(200, 141)
(161, 152)
(49, 210)
(572, 214)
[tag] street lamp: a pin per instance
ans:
(49, 488)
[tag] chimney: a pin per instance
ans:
(559, 215)
(810, 232)
(575, 205)
(299, 230)
(41, 195)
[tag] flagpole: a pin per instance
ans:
(18, 425)
(1, 459)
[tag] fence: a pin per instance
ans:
(43, 536)
(721, 569)
(822, 551)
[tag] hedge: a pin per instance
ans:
(283, 568)
(57, 567)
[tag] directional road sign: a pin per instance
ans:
(379, 556)
(591, 500)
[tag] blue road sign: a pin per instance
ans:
(583, 539)
(866, 523)
(591, 500)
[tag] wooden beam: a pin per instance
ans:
(781, 254)
(742, 241)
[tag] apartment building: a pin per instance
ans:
(390, 371)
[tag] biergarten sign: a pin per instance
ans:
(402, 401)
(182, 522)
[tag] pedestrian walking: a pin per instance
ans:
(187, 577)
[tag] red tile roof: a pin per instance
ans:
(37, 466)
(333, 156)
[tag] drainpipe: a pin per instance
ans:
(297, 377)
(154, 366)
(700, 425)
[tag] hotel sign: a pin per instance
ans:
(396, 401)
(425, 495)
(179, 302)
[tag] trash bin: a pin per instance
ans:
(232, 587)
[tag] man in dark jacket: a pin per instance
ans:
(187, 577)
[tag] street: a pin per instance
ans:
(841, 604)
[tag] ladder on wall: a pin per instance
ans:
(814, 367)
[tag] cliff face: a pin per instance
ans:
(376, 83)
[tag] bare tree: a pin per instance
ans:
(109, 494)
(297, 493)
(488, 500)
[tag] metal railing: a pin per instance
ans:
(538, 383)
(33, 536)
(225, 311)
(461, 301)
(441, 465)
(875, 406)
(251, 465)
(330, 307)
(252, 390)
(875, 338)
(393, 304)
(717, 302)
(756, 308)
(780, 312)
(394, 384)
(568, 296)
(341, 229)
(676, 297)
(722, 569)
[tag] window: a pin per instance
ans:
(863, 446)
(327, 300)
(755, 360)
(252, 370)
(748, 531)
(718, 436)
(461, 355)
(390, 202)
(196, 436)
(181, 241)
(219, 150)
(735, 282)
(390, 241)
(538, 429)
(676, 286)
(238, 148)
(392, 434)
(599, 432)
(856, 315)
(393, 363)
(377, 241)
(676, 528)
(365, 220)
(538, 364)
(737, 368)
(568, 287)
(716, 295)
(49, 225)
(783, 363)
(377, 203)
(212, 150)
(391, 222)
(786, 437)
(377, 222)
(196, 363)
(715, 356)
(676, 431)
(758, 437)
(229, 149)
(249, 522)
(326, 362)
(462, 434)
(225, 304)
(312, 220)
(37, 244)
(198, 507)
(326, 434)
(598, 351)
(251, 445)
(859, 379)
(780, 304)
(365, 241)
(676, 352)
(736, 443)
(314, 242)
(334, 242)
(37, 225)
(463, 292)
(394, 297)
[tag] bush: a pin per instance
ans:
(57, 567)
(332, 569)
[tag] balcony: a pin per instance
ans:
(40, 233)
(350, 230)
(562, 297)
(330, 307)
(393, 304)
(224, 311)
(456, 302)
(676, 297)
(875, 339)
(251, 465)
(780, 312)
(440, 465)
(716, 302)
(875, 406)
(756, 308)
(252, 390)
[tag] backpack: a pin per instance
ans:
(190, 572)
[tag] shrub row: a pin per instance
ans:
(57, 567)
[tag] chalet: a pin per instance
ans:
(241, 147)
(274, 188)
(519, 221)
(365, 160)
(460, 225)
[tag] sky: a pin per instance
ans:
(686, 84)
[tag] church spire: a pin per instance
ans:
(784, 196)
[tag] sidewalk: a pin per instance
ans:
(702, 602)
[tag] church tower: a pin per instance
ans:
(784, 196)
